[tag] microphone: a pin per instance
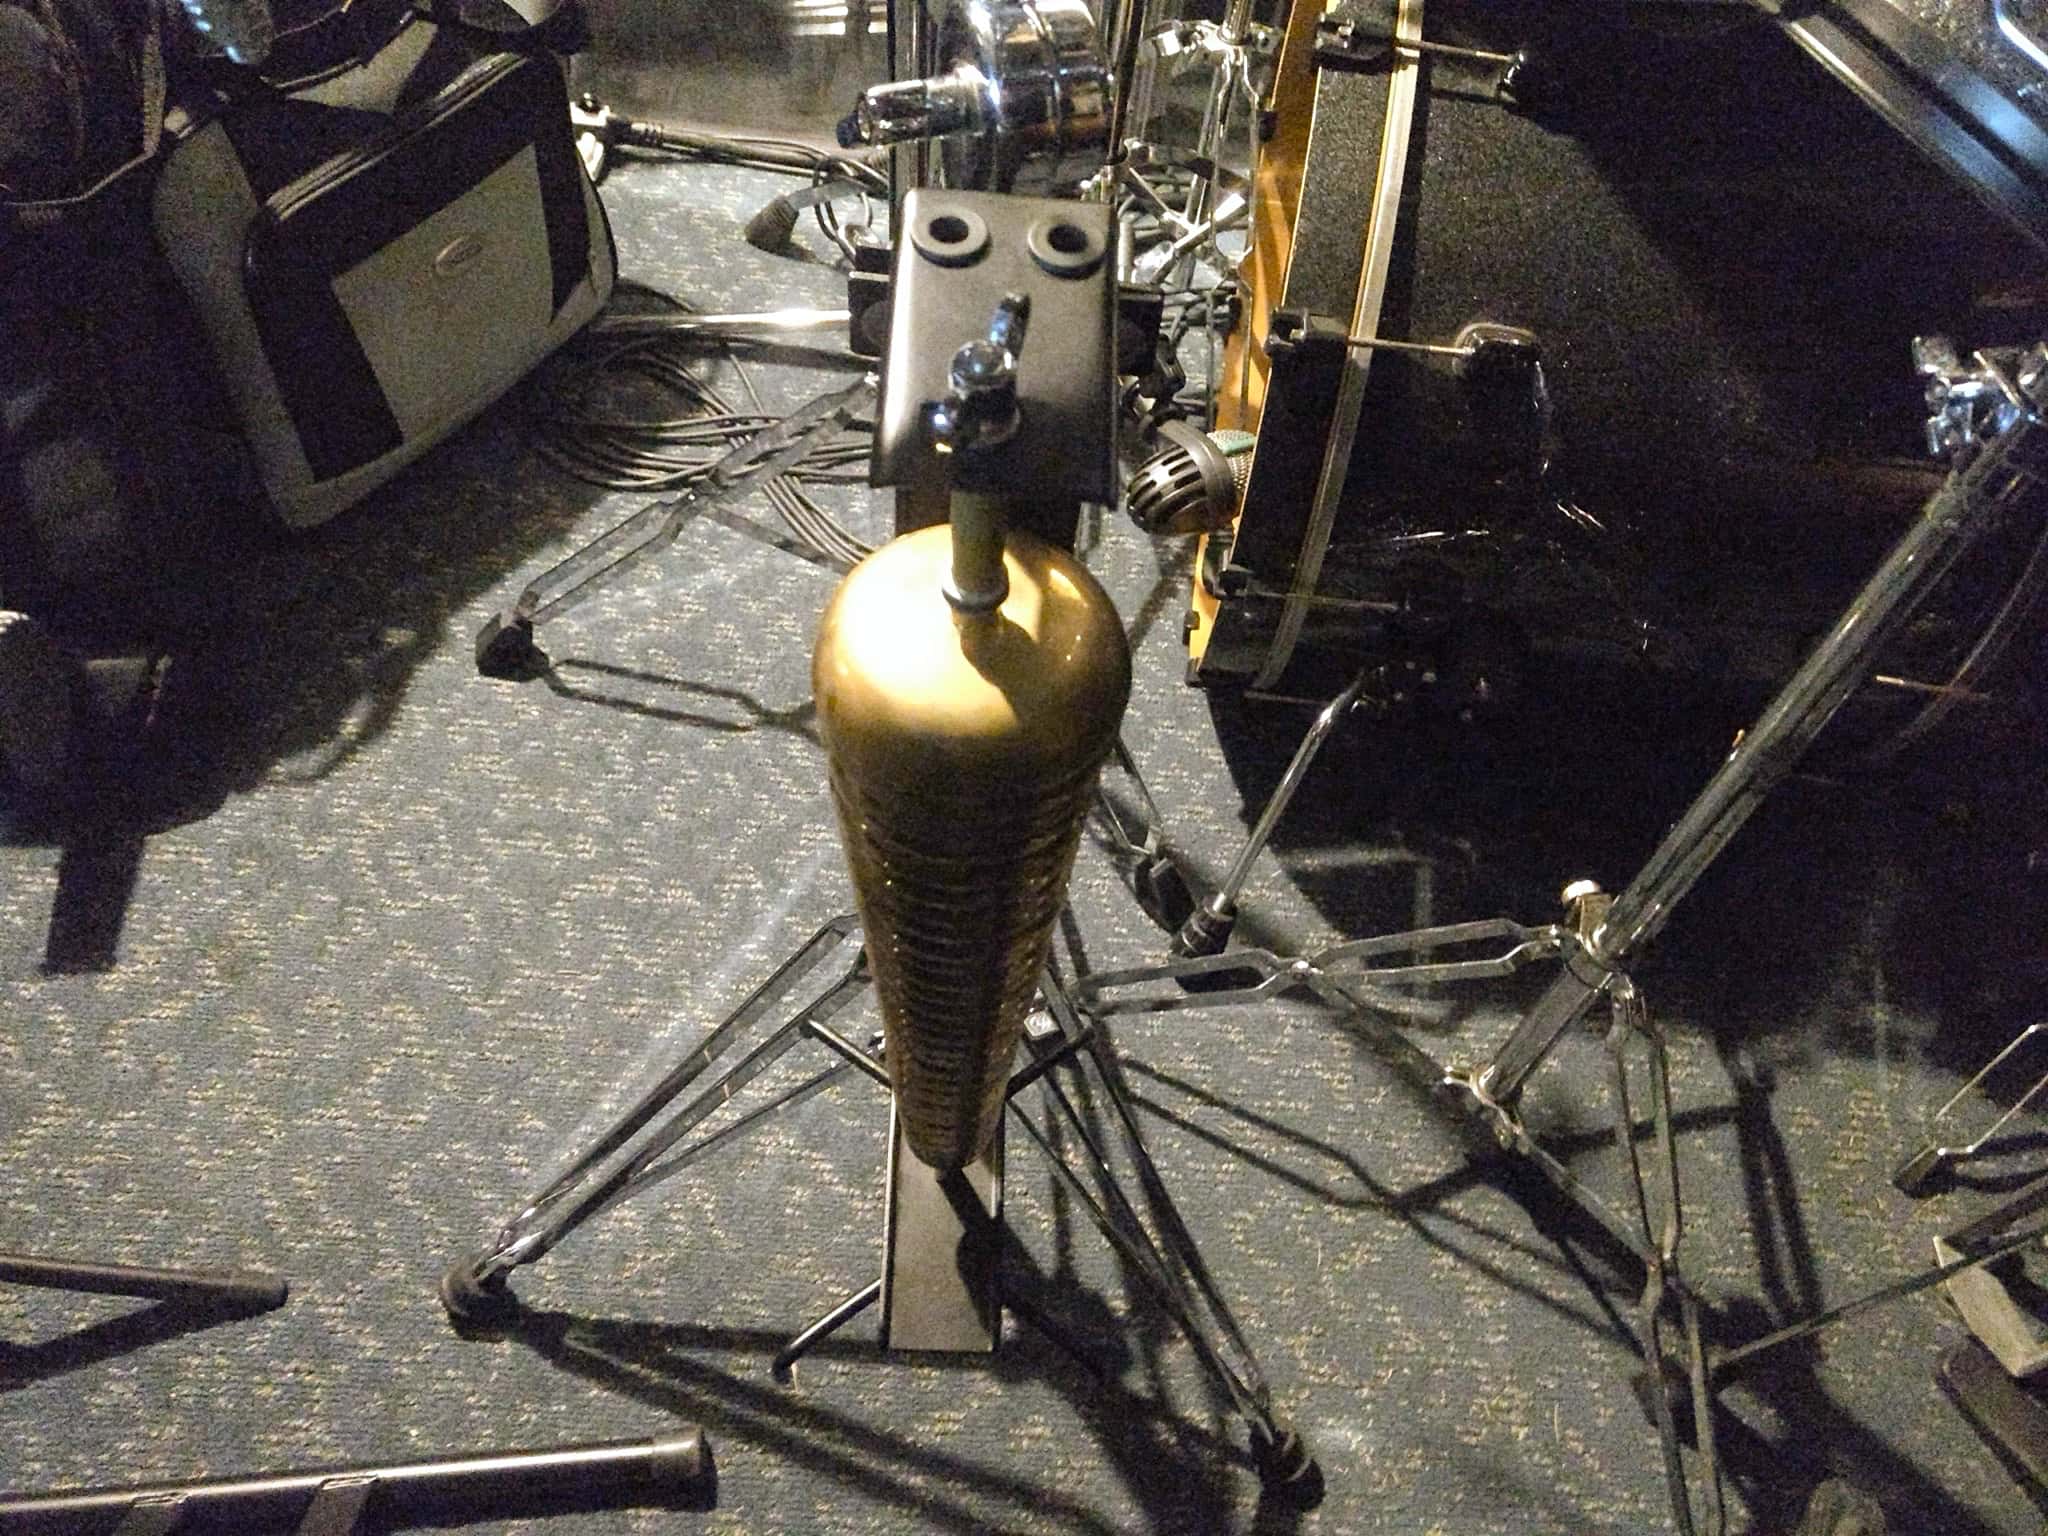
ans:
(1193, 485)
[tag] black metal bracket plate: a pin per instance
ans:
(1065, 447)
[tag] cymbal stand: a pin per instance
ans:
(647, 1145)
(1995, 475)
(1233, 49)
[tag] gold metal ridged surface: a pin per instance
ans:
(964, 750)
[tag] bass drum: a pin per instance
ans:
(1723, 258)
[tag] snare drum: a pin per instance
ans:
(1723, 257)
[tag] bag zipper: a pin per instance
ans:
(444, 104)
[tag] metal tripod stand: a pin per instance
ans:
(940, 1287)
(1998, 473)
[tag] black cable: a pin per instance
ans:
(785, 156)
(681, 428)
(779, 156)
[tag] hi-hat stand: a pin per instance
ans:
(1998, 472)
(941, 1286)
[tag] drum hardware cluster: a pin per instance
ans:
(1237, 52)
(1231, 212)
(1999, 478)
(1967, 402)
(1018, 100)
(1597, 937)
(1937, 1154)
(2008, 1345)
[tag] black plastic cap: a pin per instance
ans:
(505, 649)
(770, 229)
(474, 1306)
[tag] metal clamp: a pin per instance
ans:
(1183, 39)
(980, 412)
(1967, 402)
(1020, 101)
(980, 408)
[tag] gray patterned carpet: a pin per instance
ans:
(369, 944)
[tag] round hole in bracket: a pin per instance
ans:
(951, 237)
(1065, 248)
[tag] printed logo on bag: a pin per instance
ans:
(457, 254)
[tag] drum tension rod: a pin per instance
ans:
(1292, 330)
(1388, 344)
(1371, 43)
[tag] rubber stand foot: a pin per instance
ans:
(1918, 1175)
(1529, 84)
(1284, 1463)
(1162, 892)
(505, 649)
(1838, 1509)
(476, 1307)
(39, 688)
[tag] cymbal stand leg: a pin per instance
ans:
(1660, 1224)
(1168, 1263)
(642, 1147)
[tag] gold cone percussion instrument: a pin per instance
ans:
(964, 737)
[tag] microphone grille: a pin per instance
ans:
(1193, 485)
(1237, 448)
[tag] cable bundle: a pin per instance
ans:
(588, 428)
